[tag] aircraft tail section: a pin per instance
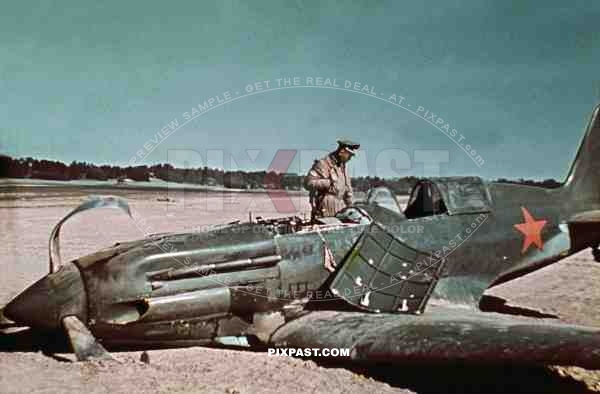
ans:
(583, 181)
(582, 189)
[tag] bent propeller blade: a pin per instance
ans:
(91, 203)
(83, 343)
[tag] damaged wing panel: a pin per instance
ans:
(383, 274)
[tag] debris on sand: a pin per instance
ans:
(145, 358)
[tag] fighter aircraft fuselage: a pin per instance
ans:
(193, 288)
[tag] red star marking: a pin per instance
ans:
(532, 229)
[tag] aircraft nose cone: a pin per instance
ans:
(46, 302)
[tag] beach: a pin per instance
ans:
(568, 289)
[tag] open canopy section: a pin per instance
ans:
(452, 196)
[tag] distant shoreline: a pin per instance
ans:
(155, 185)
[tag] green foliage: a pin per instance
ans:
(47, 169)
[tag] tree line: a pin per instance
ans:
(55, 170)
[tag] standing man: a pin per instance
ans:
(329, 183)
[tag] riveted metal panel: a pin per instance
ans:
(383, 274)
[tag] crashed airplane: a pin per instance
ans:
(392, 285)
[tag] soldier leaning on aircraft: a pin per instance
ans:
(329, 183)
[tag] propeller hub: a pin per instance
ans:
(44, 304)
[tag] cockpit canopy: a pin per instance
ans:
(425, 200)
(450, 196)
(429, 197)
(383, 197)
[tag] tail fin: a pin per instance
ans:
(583, 181)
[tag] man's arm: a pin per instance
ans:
(348, 194)
(317, 178)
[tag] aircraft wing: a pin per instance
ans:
(444, 335)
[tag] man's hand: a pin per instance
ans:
(328, 259)
(348, 198)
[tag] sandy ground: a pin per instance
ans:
(568, 289)
(28, 216)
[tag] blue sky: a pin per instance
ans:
(95, 81)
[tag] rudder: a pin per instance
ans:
(583, 181)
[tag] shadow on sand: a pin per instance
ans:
(27, 340)
(425, 378)
(468, 378)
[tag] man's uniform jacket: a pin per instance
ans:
(329, 186)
